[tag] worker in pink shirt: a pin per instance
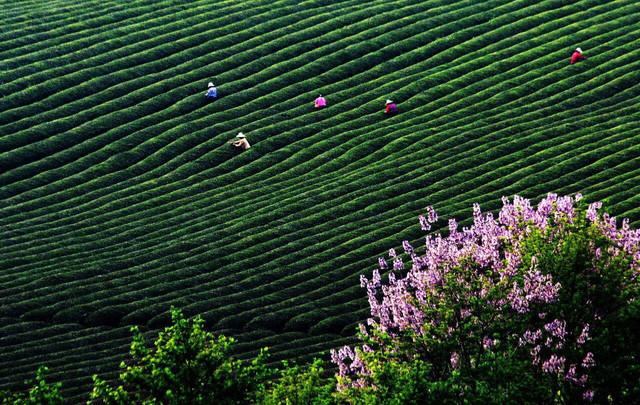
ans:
(320, 102)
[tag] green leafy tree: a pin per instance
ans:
(300, 385)
(40, 393)
(186, 365)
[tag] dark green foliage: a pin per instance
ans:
(300, 386)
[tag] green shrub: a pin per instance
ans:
(40, 393)
(300, 386)
(185, 365)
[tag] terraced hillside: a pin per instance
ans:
(119, 196)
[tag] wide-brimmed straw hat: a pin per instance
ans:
(240, 135)
(210, 85)
(579, 50)
(389, 102)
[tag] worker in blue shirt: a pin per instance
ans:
(212, 92)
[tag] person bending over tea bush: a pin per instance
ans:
(390, 108)
(576, 56)
(211, 93)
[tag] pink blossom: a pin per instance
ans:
(557, 328)
(554, 365)
(530, 337)
(407, 247)
(584, 335)
(538, 288)
(363, 281)
(571, 374)
(453, 227)
(583, 380)
(454, 360)
(424, 224)
(535, 354)
(588, 361)
(432, 215)
(564, 209)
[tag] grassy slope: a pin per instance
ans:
(120, 198)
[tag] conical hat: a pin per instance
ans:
(389, 102)
(240, 135)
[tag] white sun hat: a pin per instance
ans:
(389, 102)
(210, 85)
(240, 135)
(579, 50)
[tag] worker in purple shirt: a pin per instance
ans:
(390, 108)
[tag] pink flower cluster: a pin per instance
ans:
(553, 365)
(626, 240)
(349, 365)
(538, 288)
(488, 243)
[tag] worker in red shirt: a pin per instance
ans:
(577, 56)
(391, 108)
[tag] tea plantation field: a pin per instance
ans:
(119, 196)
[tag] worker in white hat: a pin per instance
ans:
(576, 56)
(212, 92)
(390, 107)
(241, 142)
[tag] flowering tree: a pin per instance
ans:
(537, 305)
